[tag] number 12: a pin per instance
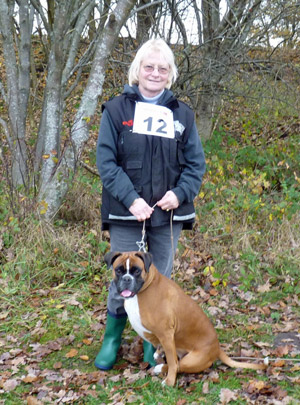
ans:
(159, 129)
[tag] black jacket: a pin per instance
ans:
(134, 165)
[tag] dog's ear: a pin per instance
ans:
(147, 259)
(110, 257)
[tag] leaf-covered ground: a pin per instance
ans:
(241, 264)
(255, 324)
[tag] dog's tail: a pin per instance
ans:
(237, 364)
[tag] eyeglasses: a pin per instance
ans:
(161, 70)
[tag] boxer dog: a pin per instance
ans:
(161, 313)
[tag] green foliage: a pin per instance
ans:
(248, 206)
(245, 247)
(259, 180)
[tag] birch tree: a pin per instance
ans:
(211, 40)
(61, 25)
(16, 93)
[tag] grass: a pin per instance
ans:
(242, 259)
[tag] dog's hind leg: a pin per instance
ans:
(194, 362)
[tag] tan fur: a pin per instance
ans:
(180, 326)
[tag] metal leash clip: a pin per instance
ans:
(141, 245)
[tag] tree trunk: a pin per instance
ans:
(17, 85)
(145, 19)
(55, 188)
(206, 112)
(222, 40)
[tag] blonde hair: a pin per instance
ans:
(153, 45)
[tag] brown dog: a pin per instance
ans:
(160, 312)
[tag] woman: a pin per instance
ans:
(151, 163)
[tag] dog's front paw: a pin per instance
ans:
(168, 382)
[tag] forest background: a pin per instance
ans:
(239, 70)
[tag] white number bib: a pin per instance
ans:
(152, 119)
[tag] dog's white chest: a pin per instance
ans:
(132, 308)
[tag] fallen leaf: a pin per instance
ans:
(226, 395)
(282, 350)
(87, 341)
(3, 315)
(214, 377)
(30, 378)
(279, 363)
(181, 402)
(213, 292)
(264, 288)
(31, 400)
(72, 353)
(205, 388)
(10, 385)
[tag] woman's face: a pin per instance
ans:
(153, 75)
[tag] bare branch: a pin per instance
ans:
(3, 93)
(7, 135)
(37, 5)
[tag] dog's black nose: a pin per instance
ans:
(127, 279)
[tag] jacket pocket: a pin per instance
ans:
(134, 170)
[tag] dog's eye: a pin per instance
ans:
(136, 271)
(119, 270)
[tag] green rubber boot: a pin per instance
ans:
(107, 356)
(149, 350)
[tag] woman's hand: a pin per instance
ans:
(169, 201)
(140, 209)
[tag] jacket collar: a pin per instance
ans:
(167, 99)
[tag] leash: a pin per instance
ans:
(266, 360)
(172, 242)
(142, 245)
